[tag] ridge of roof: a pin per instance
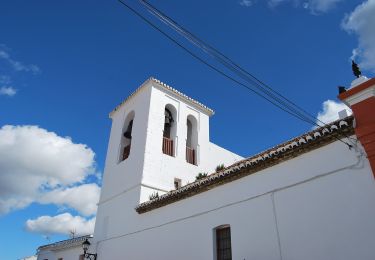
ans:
(168, 88)
(294, 147)
(65, 243)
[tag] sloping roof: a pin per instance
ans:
(275, 155)
(170, 89)
(77, 241)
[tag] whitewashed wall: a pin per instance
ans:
(159, 169)
(316, 206)
(46, 254)
(70, 253)
(120, 176)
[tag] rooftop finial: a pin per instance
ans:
(356, 71)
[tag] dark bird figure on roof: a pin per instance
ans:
(356, 71)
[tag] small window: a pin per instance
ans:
(177, 183)
(223, 243)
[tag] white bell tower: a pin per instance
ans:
(159, 141)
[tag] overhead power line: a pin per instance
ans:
(261, 89)
(201, 60)
(230, 64)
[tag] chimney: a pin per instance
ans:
(360, 97)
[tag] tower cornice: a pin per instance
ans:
(167, 88)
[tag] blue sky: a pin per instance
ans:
(65, 65)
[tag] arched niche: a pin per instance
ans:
(191, 139)
(170, 129)
(126, 136)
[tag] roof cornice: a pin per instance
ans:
(77, 241)
(273, 156)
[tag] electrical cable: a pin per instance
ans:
(203, 61)
(229, 63)
(277, 103)
(234, 67)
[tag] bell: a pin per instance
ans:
(128, 133)
(168, 120)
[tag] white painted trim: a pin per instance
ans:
(358, 81)
(360, 96)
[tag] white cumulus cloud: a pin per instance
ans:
(61, 224)
(315, 6)
(35, 162)
(330, 111)
(362, 23)
(7, 91)
(82, 198)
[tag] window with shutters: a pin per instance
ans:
(223, 243)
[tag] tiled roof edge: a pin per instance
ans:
(275, 155)
(167, 87)
(64, 243)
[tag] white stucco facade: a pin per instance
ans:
(299, 209)
(70, 249)
(312, 197)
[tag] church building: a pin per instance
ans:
(169, 193)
